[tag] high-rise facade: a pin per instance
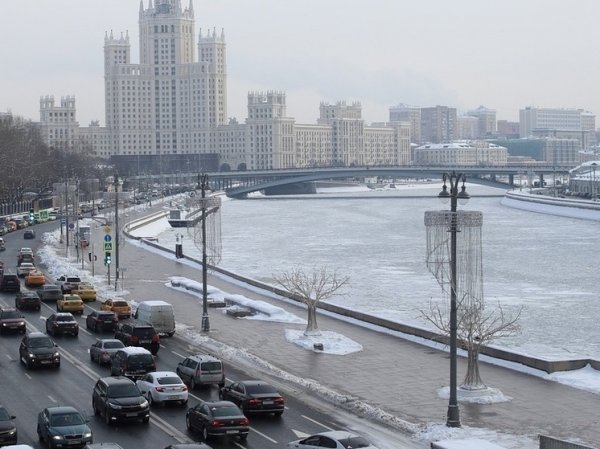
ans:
(173, 103)
(439, 124)
(533, 121)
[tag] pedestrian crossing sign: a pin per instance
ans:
(108, 247)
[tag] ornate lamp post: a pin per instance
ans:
(453, 179)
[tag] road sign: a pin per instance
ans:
(108, 247)
(107, 238)
(107, 229)
(71, 225)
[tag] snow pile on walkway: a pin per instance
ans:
(333, 343)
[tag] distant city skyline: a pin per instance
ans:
(461, 54)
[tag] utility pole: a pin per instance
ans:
(116, 231)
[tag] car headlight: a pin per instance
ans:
(57, 437)
(144, 404)
(115, 406)
(11, 432)
(3, 324)
(31, 356)
(87, 435)
(56, 354)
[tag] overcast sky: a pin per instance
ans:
(504, 54)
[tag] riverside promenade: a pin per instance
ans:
(395, 375)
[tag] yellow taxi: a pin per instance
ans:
(119, 306)
(70, 303)
(35, 278)
(86, 291)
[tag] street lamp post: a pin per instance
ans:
(203, 181)
(453, 179)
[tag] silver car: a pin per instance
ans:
(102, 351)
(25, 268)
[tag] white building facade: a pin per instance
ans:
(464, 153)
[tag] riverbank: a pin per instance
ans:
(563, 207)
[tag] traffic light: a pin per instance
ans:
(107, 258)
(31, 214)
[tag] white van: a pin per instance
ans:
(159, 314)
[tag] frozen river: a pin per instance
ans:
(546, 264)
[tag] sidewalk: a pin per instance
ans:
(395, 375)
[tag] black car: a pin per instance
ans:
(254, 396)
(101, 320)
(119, 399)
(133, 333)
(218, 418)
(38, 349)
(11, 321)
(29, 234)
(10, 283)
(63, 427)
(28, 300)
(62, 323)
(8, 428)
(49, 292)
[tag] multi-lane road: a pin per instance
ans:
(26, 392)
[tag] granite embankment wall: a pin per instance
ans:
(548, 366)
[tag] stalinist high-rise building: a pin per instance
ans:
(175, 98)
(168, 113)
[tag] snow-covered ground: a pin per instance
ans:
(587, 378)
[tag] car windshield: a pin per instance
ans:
(66, 419)
(65, 318)
(9, 314)
(123, 391)
(40, 343)
(354, 442)
(143, 332)
(140, 360)
(4, 415)
(113, 345)
(120, 304)
(260, 388)
(169, 381)
(225, 411)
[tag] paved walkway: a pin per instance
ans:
(396, 375)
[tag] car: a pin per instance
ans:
(254, 396)
(102, 351)
(85, 290)
(101, 320)
(67, 283)
(49, 292)
(338, 439)
(38, 349)
(119, 306)
(102, 446)
(133, 333)
(132, 361)
(35, 278)
(27, 300)
(9, 282)
(70, 303)
(25, 268)
(217, 418)
(119, 399)
(188, 446)
(25, 258)
(24, 250)
(11, 321)
(8, 428)
(201, 369)
(62, 323)
(63, 426)
(2, 242)
(161, 387)
(29, 234)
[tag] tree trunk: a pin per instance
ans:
(472, 379)
(311, 326)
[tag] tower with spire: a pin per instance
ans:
(174, 100)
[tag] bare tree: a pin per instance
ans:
(311, 287)
(476, 327)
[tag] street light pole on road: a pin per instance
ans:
(454, 179)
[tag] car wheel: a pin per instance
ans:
(150, 400)
(221, 396)
(243, 436)
(184, 403)
(146, 420)
(75, 334)
(192, 384)
(279, 413)
(222, 384)
(204, 433)
(38, 308)
(40, 437)
(188, 424)
(95, 407)
(106, 417)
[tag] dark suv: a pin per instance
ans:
(119, 399)
(28, 300)
(142, 334)
(11, 320)
(10, 283)
(38, 349)
(62, 323)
